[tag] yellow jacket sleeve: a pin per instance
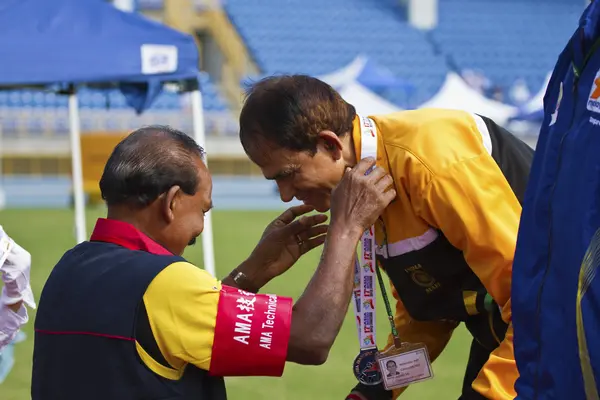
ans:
(181, 303)
(434, 334)
(497, 378)
(473, 205)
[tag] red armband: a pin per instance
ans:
(251, 334)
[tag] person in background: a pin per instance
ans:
(446, 242)
(556, 291)
(124, 316)
(15, 265)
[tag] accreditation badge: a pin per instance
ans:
(404, 365)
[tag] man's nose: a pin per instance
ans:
(286, 192)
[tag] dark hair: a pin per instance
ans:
(387, 364)
(290, 110)
(147, 163)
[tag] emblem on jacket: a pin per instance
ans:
(422, 278)
(593, 103)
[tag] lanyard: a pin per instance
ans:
(365, 266)
(577, 70)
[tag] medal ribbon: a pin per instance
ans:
(365, 266)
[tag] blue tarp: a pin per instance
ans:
(45, 42)
(377, 77)
(533, 116)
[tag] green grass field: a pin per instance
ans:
(48, 233)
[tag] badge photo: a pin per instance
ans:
(404, 366)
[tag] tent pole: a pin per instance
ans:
(77, 173)
(199, 136)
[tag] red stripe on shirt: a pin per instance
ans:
(84, 333)
(251, 335)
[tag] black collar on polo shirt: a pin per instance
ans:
(126, 235)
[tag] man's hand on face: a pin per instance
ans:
(360, 199)
(283, 242)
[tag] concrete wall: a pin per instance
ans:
(232, 193)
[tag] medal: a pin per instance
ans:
(402, 363)
(366, 368)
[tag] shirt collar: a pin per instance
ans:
(357, 137)
(126, 235)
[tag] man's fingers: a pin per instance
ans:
(315, 219)
(312, 243)
(385, 182)
(376, 174)
(389, 195)
(363, 165)
(299, 225)
(306, 222)
(291, 213)
(314, 231)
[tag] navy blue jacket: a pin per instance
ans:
(555, 296)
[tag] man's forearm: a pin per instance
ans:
(318, 314)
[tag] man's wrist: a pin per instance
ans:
(345, 231)
(246, 277)
(241, 281)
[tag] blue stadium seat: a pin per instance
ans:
(506, 39)
(150, 4)
(317, 37)
(90, 99)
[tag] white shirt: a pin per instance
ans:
(15, 264)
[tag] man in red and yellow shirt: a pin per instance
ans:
(124, 316)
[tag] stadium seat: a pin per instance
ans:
(506, 39)
(317, 37)
(29, 105)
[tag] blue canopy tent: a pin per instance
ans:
(70, 43)
(530, 116)
(375, 76)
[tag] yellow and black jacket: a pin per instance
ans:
(447, 242)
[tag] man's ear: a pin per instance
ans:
(171, 200)
(331, 143)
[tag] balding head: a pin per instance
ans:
(147, 163)
(156, 180)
